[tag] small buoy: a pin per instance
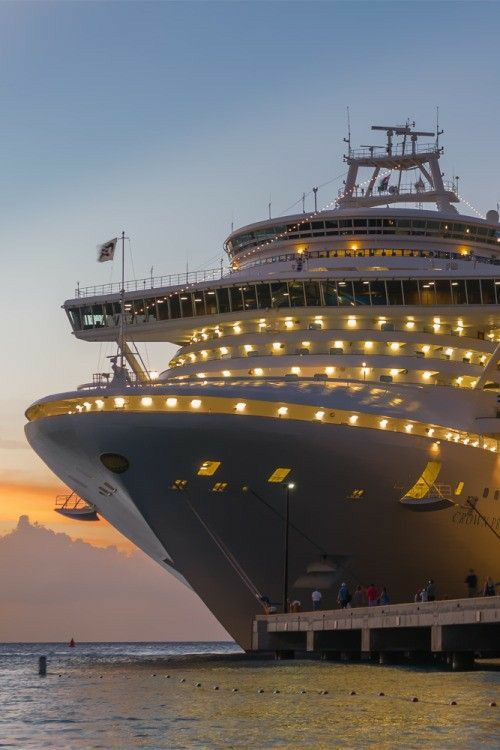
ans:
(100, 676)
(59, 675)
(353, 692)
(323, 692)
(167, 676)
(235, 690)
(216, 687)
(260, 690)
(198, 684)
(492, 704)
(414, 699)
(453, 703)
(154, 675)
(275, 692)
(381, 694)
(182, 679)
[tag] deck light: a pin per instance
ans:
(87, 405)
(283, 410)
(448, 436)
(475, 443)
(306, 343)
(353, 418)
(319, 414)
(153, 375)
(426, 375)
(171, 402)
(79, 407)
(204, 336)
(204, 353)
(468, 355)
(248, 347)
(393, 373)
(276, 346)
(482, 359)
(237, 329)
(146, 401)
(329, 370)
(223, 349)
(408, 427)
(295, 370)
(395, 346)
(368, 344)
(240, 406)
(192, 357)
(119, 402)
(426, 348)
(459, 380)
(339, 344)
(351, 322)
(258, 371)
(99, 403)
(410, 324)
(448, 351)
(383, 423)
(430, 431)
(288, 323)
(291, 485)
(201, 374)
(196, 403)
(226, 373)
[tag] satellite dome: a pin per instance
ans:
(492, 216)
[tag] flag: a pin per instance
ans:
(106, 251)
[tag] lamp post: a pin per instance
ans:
(289, 486)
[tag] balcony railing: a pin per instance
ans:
(152, 282)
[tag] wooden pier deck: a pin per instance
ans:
(457, 629)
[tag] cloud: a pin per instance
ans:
(53, 588)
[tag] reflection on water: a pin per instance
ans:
(147, 696)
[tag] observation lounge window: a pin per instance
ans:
(236, 299)
(313, 297)
(330, 293)
(345, 293)
(223, 300)
(150, 310)
(211, 302)
(109, 317)
(443, 292)
(264, 296)
(410, 291)
(186, 304)
(378, 293)
(361, 292)
(427, 292)
(458, 293)
(280, 295)
(473, 292)
(394, 292)
(88, 318)
(296, 290)
(305, 229)
(488, 291)
(134, 311)
(175, 306)
(198, 303)
(75, 319)
(98, 316)
(162, 307)
(249, 297)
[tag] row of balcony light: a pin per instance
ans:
(282, 411)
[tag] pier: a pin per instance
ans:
(455, 631)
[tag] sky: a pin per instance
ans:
(171, 120)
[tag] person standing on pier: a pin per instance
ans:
(316, 597)
(489, 587)
(431, 591)
(372, 594)
(471, 583)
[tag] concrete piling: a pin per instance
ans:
(42, 666)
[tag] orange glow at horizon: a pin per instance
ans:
(38, 500)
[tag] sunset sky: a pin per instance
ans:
(171, 120)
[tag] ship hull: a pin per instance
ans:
(228, 545)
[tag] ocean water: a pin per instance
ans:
(206, 695)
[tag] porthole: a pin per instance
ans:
(486, 492)
(115, 462)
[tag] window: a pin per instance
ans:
(186, 305)
(264, 296)
(486, 492)
(345, 293)
(427, 292)
(149, 310)
(219, 487)
(330, 293)
(377, 292)
(458, 293)
(443, 292)
(488, 291)
(74, 316)
(410, 291)
(296, 291)
(178, 485)
(356, 495)
(223, 300)
(208, 468)
(473, 292)
(97, 312)
(313, 298)
(394, 292)
(361, 292)
(236, 299)
(175, 306)
(280, 295)
(279, 475)
(249, 297)
(496, 495)
(162, 307)
(210, 302)
(198, 303)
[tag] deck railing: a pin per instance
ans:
(152, 282)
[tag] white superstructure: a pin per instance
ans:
(353, 350)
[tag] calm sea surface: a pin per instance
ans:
(163, 695)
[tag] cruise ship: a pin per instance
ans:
(331, 412)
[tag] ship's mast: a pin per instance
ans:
(395, 156)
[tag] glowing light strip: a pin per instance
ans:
(202, 404)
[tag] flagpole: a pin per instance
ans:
(122, 307)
